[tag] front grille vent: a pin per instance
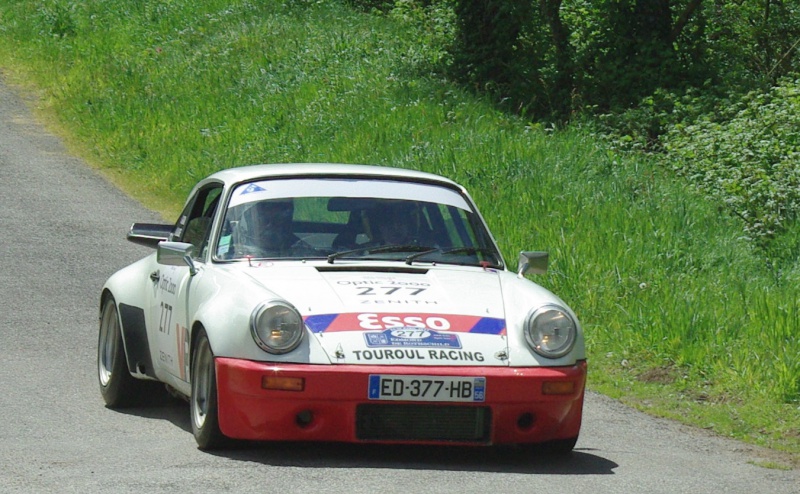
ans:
(423, 423)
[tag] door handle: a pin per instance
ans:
(155, 276)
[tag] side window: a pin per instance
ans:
(194, 224)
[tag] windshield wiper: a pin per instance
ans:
(470, 251)
(457, 250)
(386, 248)
(411, 258)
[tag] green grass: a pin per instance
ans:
(683, 318)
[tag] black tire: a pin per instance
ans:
(118, 387)
(203, 410)
(562, 447)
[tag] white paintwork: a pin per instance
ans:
(222, 296)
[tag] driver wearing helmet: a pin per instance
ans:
(271, 229)
(399, 223)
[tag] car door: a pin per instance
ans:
(168, 322)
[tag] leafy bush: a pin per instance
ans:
(640, 128)
(58, 19)
(371, 5)
(747, 157)
(434, 24)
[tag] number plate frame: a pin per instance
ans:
(449, 389)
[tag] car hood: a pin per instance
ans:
(385, 315)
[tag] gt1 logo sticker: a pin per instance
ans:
(411, 337)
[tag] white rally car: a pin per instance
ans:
(321, 302)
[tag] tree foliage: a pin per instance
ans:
(552, 58)
(745, 155)
(709, 84)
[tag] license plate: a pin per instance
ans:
(427, 388)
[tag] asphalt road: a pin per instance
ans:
(62, 232)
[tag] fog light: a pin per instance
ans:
(558, 387)
(304, 418)
(526, 421)
(283, 383)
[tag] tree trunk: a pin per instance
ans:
(683, 19)
(564, 82)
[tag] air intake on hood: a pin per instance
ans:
(371, 269)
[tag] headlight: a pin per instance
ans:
(550, 331)
(276, 327)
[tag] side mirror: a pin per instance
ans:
(149, 234)
(176, 254)
(533, 262)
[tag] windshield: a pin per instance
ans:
(342, 220)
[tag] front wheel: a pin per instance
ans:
(203, 409)
(118, 387)
(561, 447)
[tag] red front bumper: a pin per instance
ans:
(326, 410)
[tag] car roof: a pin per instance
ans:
(299, 170)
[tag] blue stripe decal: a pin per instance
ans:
(321, 322)
(489, 325)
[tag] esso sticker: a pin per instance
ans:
(375, 321)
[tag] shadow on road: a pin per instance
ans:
(448, 458)
(344, 455)
(162, 406)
